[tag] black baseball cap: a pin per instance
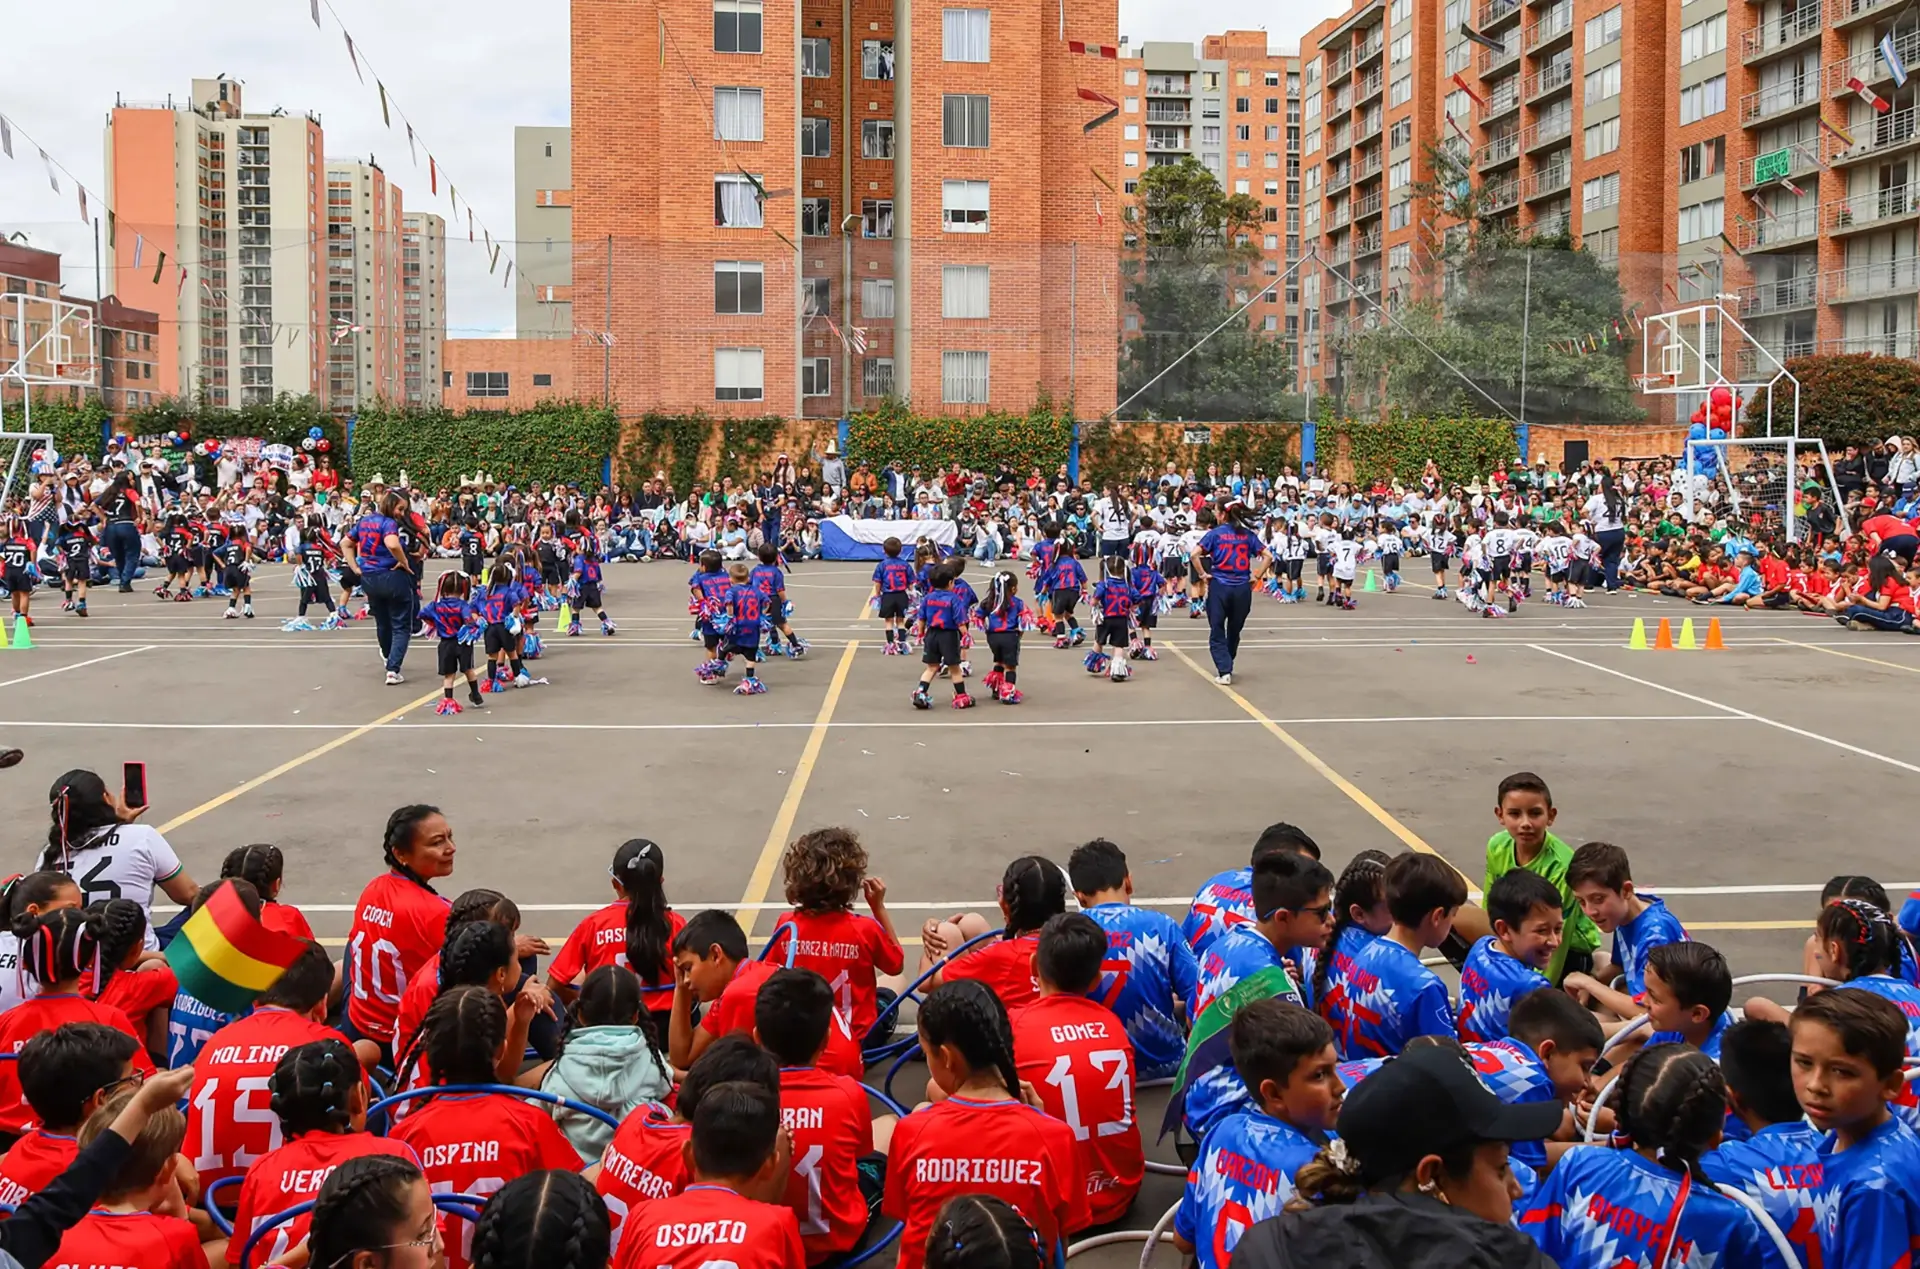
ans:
(1429, 1101)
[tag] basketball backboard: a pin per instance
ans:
(46, 342)
(1691, 351)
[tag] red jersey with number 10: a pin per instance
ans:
(397, 924)
(230, 1119)
(1076, 1054)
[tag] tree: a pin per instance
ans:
(1182, 284)
(1845, 399)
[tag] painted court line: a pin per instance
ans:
(1851, 656)
(77, 665)
(57, 724)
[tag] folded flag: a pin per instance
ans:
(1463, 86)
(225, 958)
(1866, 94)
(1839, 134)
(1484, 41)
(1208, 1043)
(1891, 56)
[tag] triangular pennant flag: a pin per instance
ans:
(51, 178)
(386, 116)
(1484, 41)
(507, 280)
(1459, 81)
(1728, 241)
(84, 218)
(1088, 94)
(159, 266)
(493, 261)
(411, 152)
(1839, 134)
(110, 232)
(315, 4)
(1103, 180)
(1866, 94)
(1105, 116)
(487, 237)
(469, 224)
(182, 284)
(1891, 56)
(1099, 216)
(139, 249)
(353, 56)
(433, 176)
(6, 137)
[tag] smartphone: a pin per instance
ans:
(133, 783)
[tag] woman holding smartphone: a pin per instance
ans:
(93, 839)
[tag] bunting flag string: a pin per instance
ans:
(87, 199)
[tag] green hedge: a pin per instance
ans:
(1845, 399)
(285, 421)
(1116, 454)
(77, 427)
(1465, 449)
(1041, 437)
(553, 443)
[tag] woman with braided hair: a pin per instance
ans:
(986, 1134)
(544, 1220)
(376, 1212)
(320, 1099)
(93, 838)
(978, 1231)
(398, 921)
(1031, 890)
(264, 866)
(130, 978)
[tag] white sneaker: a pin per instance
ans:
(394, 677)
(1224, 680)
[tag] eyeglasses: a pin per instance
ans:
(1319, 910)
(430, 1239)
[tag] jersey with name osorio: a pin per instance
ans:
(293, 1174)
(230, 1119)
(706, 1226)
(1076, 1054)
(646, 1161)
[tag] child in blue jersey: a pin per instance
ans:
(892, 596)
(1649, 1203)
(1854, 886)
(1045, 552)
(1525, 910)
(1004, 615)
(1602, 881)
(586, 585)
(770, 580)
(1147, 585)
(1382, 996)
(473, 552)
(451, 617)
(1777, 1161)
(1293, 903)
(1150, 972)
(969, 601)
(708, 603)
(747, 614)
(236, 573)
(497, 606)
(1113, 604)
(944, 614)
(1359, 915)
(1226, 899)
(1848, 1047)
(1064, 582)
(1688, 990)
(1244, 1173)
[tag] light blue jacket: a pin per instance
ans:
(612, 1068)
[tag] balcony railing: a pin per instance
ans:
(1341, 255)
(1503, 99)
(1780, 296)
(1339, 179)
(1370, 50)
(1882, 135)
(1367, 128)
(1493, 11)
(1548, 180)
(1871, 209)
(1338, 218)
(1157, 113)
(1783, 32)
(1553, 225)
(1554, 23)
(1753, 367)
(1869, 67)
(1499, 150)
(1367, 167)
(1340, 66)
(1167, 143)
(1369, 87)
(1368, 206)
(1549, 79)
(1788, 94)
(1168, 85)
(1846, 12)
(1803, 159)
(1367, 284)
(1769, 233)
(1367, 245)
(1341, 139)
(1501, 195)
(1342, 101)
(1547, 130)
(1499, 61)
(1904, 344)
(1872, 281)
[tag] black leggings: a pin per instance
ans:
(316, 592)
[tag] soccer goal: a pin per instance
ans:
(1763, 485)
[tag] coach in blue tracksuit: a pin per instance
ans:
(386, 575)
(1226, 557)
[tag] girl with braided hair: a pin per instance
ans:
(978, 1231)
(608, 1058)
(398, 921)
(130, 978)
(1858, 944)
(264, 867)
(544, 1220)
(376, 1212)
(27, 894)
(93, 838)
(57, 949)
(1639, 1204)
(320, 1099)
(481, 954)
(474, 1143)
(1360, 916)
(1031, 890)
(986, 1135)
(468, 907)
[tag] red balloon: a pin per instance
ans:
(324, 445)
(1699, 414)
(1721, 394)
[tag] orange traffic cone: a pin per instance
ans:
(1714, 643)
(1663, 638)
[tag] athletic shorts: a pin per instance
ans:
(1005, 646)
(1064, 602)
(1111, 632)
(1390, 563)
(589, 598)
(472, 565)
(1145, 617)
(17, 581)
(1324, 566)
(197, 556)
(1294, 569)
(235, 578)
(745, 651)
(1501, 567)
(498, 638)
(893, 605)
(177, 564)
(943, 648)
(1439, 559)
(77, 574)
(1523, 562)
(1194, 575)
(1780, 599)
(455, 657)
(1557, 575)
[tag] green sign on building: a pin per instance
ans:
(1773, 166)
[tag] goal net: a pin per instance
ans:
(1779, 487)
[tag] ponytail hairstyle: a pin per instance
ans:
(31, 890)
(503, 573)
(611, 997)
(453, 585)
(1673, 1101)
(474, 953)
(968, 1016)
(1000, 593)
(1114, 568)
(543, 1220)
(1033, 889)
(260, 865)
(57, 946)
(463, 1032)
(1868, 938)
(399, 835)
(310, 1087)
(1881, 570)
(79, 808)
(117, 926)
(360, 1207)
(1235, 514)
(639, 866)
(978, 1231)
(1362, 885)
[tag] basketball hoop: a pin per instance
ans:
(1651, 383)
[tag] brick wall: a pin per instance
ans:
(520, 360)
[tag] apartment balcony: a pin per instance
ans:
(1786, 295)
(1875, 209)
(1869, 67)
(1340, 102)
(1549, 180)
(1501, 195)
(1499, 151)
(1161, 112)
(1882, 137)
(1789, 31)
(1367, 245)
(1367, 283)
(1504, 100)
(1368, 167)
(1365, 208)
(1553, 225)
(1369, 87)
(1803, 158)
(1369, 50)
(1340, 255)
(1340, 65)
(1169, 86)
(1494, 12)
(1903, 344)
(1175, 142)
(1782, 99)
(1338, 218)
(1556, 23)
(1845, 13)
(1368, 128)
(1547, 131)
(1872, 281)
(1548, 80)
(1502, 61)
(1761, 232)
(1752, 367)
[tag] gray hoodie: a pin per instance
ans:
(612, 1068)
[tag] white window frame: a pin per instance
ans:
(876, 60)
(816, 57)
(965, 377)
(975, 115)
(965, 206)
(739, 374)
(966, 35)
(816, 137)
(816, 376)
(739, 269)
(723, 180)
(1602, 29)
(876, 298)
(745, 109)
(966, 291)
(740, 9)
(871, 133)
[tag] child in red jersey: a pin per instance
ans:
(839, 1150)
(983, 1138)
(712, 965)
(1075, 1054)
(266, 867)
(56, 950)
(476, 1143)
(67, 1073)
(731, 1214)
(1032, 890)
(398, 921)
(376, 1210)
(546, 1220)
(647, 1158)
(132, 979)
(124, 1227)
(481, 954)
(229, 1121)
(321, 1103)
(637, 927)
(826, 869)
(469, 906)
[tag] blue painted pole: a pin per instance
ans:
(1308, 435)
(1520, 438)
(1073, 455)
(841, 436)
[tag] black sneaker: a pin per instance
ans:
(920, 699)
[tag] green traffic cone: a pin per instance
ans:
(564, 617)
(22, 633)
(1373, 583)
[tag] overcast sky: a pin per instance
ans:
(464, 74)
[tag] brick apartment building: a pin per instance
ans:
(770, 183)
(125, 339)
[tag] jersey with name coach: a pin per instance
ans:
(832, 1129)
(646, 1160)
(230, 1121)
(601, 939)
(1243, 1175)
(1603, 1209)
(45, 1012)
(130, 1240)
(1634, 939)
(32, 1163)
(1490, 981)
(705, 1226)
(1006, 1149)
(1243, 952)
(1780, 1166)
(292, 1174)
(1221, 903)
(847, 949)
(1380, 997)
(1076, 1054)
(1005, 965)
(1147, 968)
(397, 924)
(733, 1011)
(1509, 1070)
(1869, 1212)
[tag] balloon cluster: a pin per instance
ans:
(211, 448)
(1712, 420)
(316, 440)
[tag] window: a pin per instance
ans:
(1702, 220)
(1401, 50)
(736, 202)
(965, 36)
(738, 114)
(1209, 134)
(549, 149)
(876, 376)
(963, 120)
(816, 376)
(1459, 57)
(1273, 159)
(1271, 189)
(1133, 106)
(1697, 101)
(876, 138)
(1131, 132)
(816, 58)
(1400, 91)
(816, 296)
(1273, 105)
(963, 378)
(964, 290)
(543, 381)
(1601, 191)
(1703, 159)
(1703, 38)
(1401, 133)
(1604, 243)
(739, 374)
(1399, 173)
(963, 207)
(876, 59)
(815, 138)
(1400, 215)
(1270, 243)
(739, 286)
(876, 297)
(876, 218)
(1603, 83)
(486, 383)
(1273, 79)
(1130, 187)
(736, 26)
(1241, 158)
(1401, 11)
(1131, 78)
(1242, 78)
(1242, 187)
(1603, 137)
(1242, 105)
(1603, 29)
(816, 220)
(1242, 132)
(1270, 322)
(1130, 159)
(1273, 132)
(1400, 257)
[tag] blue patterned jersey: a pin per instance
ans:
(1632, 941)
(1351, 940)
(1148, 967)
(1906, 998)
(1780, 1166)
(1009, 618)
(1146, 583)
(1222, 903)
(1067, 574)
(1609, 1209)
(447, 615)
(713, 587)
(768, 579)
(1509, 1069)
(1243, 1175)
(1114, 599)
(943, 610)
(894, 575)
(1490, 981)
(1381, 996)
(1244, 951)
(1868, 1212)
(191, 1022)
(748, 608)
(1709, 1046)
(969, 599)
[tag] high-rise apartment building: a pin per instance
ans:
(423, 283)
(543, 232)
(366, 347)
(815, 204)
(235, 202)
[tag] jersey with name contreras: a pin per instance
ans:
(1638, 937)
(1490, 981)
(1148, 967)
(1243, 952)
(645, 1161)
(33, 1162)
(601, 939)
(709, 1226)
(130, 1240)
(1077, 1056)
(1005, 965)
(1609, 1209)
(832, 1128)
(845, 948)
(1868, 1211)
(1243, 1175)
(230, 1119)
(397, 924)
(293, 1174)
(1780, 1165)
(1509, 1069)
(1380, 997)
(1221, 903)
(1006, 1149)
